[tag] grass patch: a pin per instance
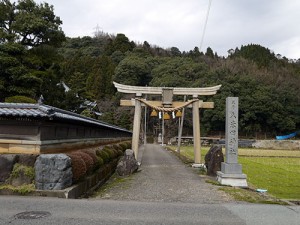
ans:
(268, 153)
(188, 152)
(278, 171)
(115, 181)
(213, 182)
(280, 176)
(22, 189)
(184, 158)
(248, 195)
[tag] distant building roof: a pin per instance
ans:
(46, 112)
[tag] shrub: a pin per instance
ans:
(111, 152)
(19, 99)
(89, 162)
(117, 147)
(105, 157)
(117, 153)
(120, 153)
(123, 146)
(100, 161)
(78, 166)
(92, 154)
(127, 145)
(106, 147)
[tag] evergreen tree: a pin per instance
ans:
(28, 33)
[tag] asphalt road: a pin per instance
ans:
(158, 199)
(85, 211)
(113, 212)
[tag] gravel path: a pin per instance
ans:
(164, 178)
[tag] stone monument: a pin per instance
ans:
(127, 164)
(231, 171)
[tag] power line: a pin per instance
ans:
(205, 24)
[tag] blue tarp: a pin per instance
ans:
(287, 136)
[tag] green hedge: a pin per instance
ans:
(104, 155)
(19, 99)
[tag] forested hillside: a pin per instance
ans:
(37, 59)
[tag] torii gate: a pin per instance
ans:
(166, 105)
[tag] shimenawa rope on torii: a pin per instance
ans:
(169, 109)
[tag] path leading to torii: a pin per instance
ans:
(164, 178)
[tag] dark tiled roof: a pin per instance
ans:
(39, 111)
(21, 110)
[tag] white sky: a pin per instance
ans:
(179, 23)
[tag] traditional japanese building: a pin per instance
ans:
(38, 128)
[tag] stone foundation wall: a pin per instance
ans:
(84, 168)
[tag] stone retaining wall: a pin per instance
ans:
(62, 175)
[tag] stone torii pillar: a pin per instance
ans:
(196, 131)
(136, 125)
(167, 104)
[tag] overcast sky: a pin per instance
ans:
(274, 24)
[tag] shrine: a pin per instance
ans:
(167, 105)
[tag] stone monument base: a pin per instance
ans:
(231, 174)
(234, 180)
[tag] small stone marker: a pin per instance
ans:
(231, 171)
(127, 164)
(214, 159)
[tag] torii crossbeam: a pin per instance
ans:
(159, 90)
(167, 104)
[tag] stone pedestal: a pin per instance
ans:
(234, 180)
(231, 174)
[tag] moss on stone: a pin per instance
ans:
(28, 171)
